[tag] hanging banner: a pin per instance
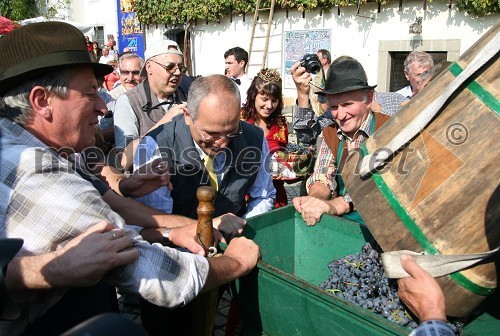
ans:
(130, 33)
(297, 43)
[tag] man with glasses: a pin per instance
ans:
(157, 99)
(210, 127)
(206, 145)
(49, 110)
(129, 68)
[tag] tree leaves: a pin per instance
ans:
(184, 11)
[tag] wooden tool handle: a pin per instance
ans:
(206, 210)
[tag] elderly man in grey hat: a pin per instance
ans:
(157, 99)
(48, 110)
(350, 99)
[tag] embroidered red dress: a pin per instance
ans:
(277, 139)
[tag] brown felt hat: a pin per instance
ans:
(38, 48)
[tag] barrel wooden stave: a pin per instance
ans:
(450, 201)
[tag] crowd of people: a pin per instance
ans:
(131, 222)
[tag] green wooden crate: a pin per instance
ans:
(281, 296)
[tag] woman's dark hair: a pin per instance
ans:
(264, 87)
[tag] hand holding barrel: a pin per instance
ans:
(421, 293)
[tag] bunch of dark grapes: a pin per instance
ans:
(293, 148)
(359, 278)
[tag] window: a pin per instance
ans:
(99, 35)
(392, 54)
(398, 79)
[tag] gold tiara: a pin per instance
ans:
(269, 75)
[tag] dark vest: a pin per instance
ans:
(146, 106)
(188, 172)
(332, 140)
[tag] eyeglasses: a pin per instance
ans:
(215, 138)
(171, 67)
(128, 72)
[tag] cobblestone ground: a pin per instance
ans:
(130, 307)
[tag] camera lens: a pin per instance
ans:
(311, 63)
(314, 68)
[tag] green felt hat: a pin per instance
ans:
(38, 48)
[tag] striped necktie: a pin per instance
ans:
(209, 166)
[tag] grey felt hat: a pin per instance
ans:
(345, 74)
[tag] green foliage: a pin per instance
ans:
(24, 9)
(479, 7)
(18, 9)
(182, 11)
(52, 9)
(185, 11)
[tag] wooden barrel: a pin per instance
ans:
(441, 193)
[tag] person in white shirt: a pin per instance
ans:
(415, 64)
(129, 69)
(106, 57)
(236, 60)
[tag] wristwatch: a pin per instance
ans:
(166, 237)
(348, 200)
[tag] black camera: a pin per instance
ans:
(311, 63)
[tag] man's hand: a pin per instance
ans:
(181, 236)
(312, 208)
(229, 225)
(245, 252)
(146, 179)
(301, 78)
(421, 293)
(239, 259)
(85, 259)
(172, 112)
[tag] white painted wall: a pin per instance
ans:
(351, 35)
(97, 13)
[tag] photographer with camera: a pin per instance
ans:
(350, 99)
(319, 103)
(312, 111)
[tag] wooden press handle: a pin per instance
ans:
(206, 210)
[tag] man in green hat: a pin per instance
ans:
(49, 109)
(350, 99)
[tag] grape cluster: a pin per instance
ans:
(359, 278)
(293, 148)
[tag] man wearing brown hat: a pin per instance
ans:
(157, 99)
(350, 99)
(49, 109)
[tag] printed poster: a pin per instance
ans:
(297, 43)
(130, 33)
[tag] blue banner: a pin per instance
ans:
(130, 34)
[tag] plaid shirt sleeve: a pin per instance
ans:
(326, 119)
(305, 125)
(324, 169)
(47, 204)
(433, 328)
